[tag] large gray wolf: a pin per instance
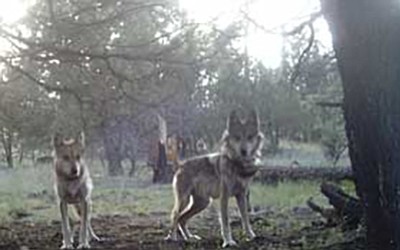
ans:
(73, 185)
(222, 175)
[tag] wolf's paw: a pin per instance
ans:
(194, 237)
(84, 246)
(67, 246)
(250, 235)
(171, 237)
(229, 243)
(95, 238)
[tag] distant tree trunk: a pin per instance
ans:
(9, 156)
(114, 166)
(112, 153)
(21, 154)
(7, 141)
(33, 156)
(130, 153)
(274, 138)
(162, 172)
(366, 39)
(133, 168)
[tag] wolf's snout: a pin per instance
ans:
(243, 152)
(75, 170)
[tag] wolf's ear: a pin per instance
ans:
(253, 120)
(80, 138)
(58, 139)
(233, 121)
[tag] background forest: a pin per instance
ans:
(110, 67)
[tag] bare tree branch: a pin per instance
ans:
(303, 55)
(314, 16)
(258, 25)
(121, 78)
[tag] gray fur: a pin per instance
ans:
(221, 175)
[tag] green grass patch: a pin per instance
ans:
(111, 196)
(30, 191)
(307, 154)
(286, 194)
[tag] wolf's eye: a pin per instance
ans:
(66, 157)
(250, 138)
(78, 157)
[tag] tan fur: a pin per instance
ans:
(73, 185)
(221, 175)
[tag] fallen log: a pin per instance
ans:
(273, 174)
(347, 210)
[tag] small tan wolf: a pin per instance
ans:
(221, 175)
(73, 185)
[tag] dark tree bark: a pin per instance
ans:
(114, 166)
(133, 168)
(120, 143)
(162, 172)
(7, 141)
(21, 154)
(366, 38)
(346, 206)
(112, 152)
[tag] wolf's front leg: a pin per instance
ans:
(67, 237)
(225, 226)
(244, 214)
(83, 235)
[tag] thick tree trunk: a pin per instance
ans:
(366, 37)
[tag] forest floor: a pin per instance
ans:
(129, 214)
(148, 231)
(297, 229)
(132, 213)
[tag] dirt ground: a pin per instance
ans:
(147, 232)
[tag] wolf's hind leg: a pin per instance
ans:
(198, 205)
(180, 204)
